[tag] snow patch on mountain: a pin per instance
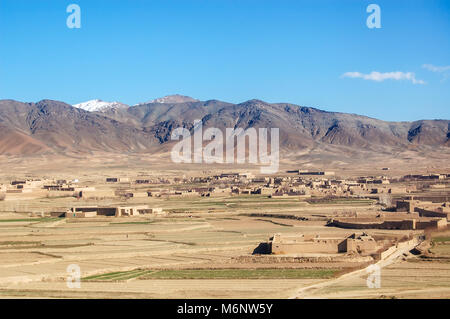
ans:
(100, 106)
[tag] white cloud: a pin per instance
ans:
(380, 77)
(433, 68)
(443, 70)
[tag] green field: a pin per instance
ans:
(441, 239)
(133, 223)
(340, 201)
(143, 274)
(43, 219)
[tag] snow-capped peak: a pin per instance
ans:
(100, 106)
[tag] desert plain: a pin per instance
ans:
(206, 245)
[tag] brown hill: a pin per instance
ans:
(63, 128)
(52, 126)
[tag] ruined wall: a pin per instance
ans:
(429, 213)
(106, 211)
(270, 259)
(326, 247)
(362, 223)
(360, 246)
(399, 215)
(409, 224)
(405, 206)
(399, 224)
(71, 214)
(366, 223)
(435, 223)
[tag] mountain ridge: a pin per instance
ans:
(56, 127)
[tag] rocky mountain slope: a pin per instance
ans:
(56, 127)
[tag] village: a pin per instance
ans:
(123, 227)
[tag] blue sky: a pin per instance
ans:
(232, 50)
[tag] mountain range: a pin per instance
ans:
(54, 127)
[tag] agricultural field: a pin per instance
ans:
(186, 251)
(143, 274)
(202, 247)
